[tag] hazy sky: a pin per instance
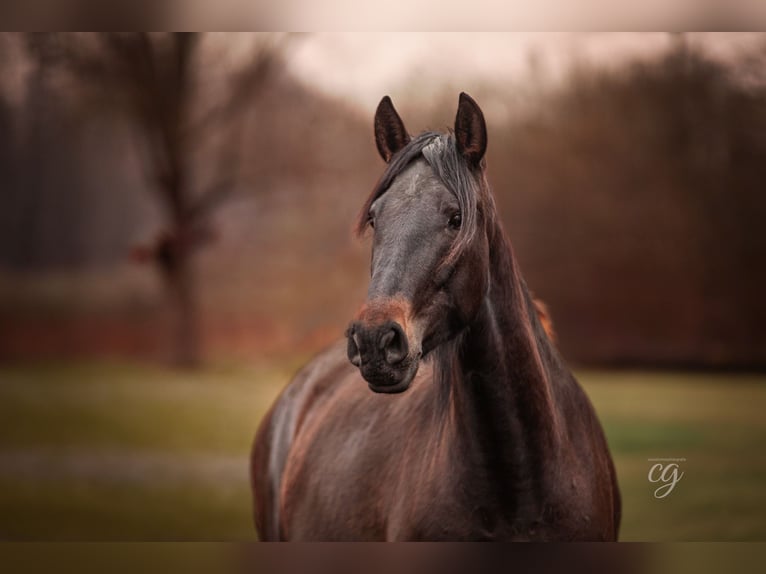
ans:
(365, 66)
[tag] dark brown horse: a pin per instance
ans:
(493, 439)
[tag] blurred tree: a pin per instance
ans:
(8, 143)
(634, 198)
(154, 80)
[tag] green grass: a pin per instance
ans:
(103, 451)
(110, 451)
(716, 422)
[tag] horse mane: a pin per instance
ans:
(545, 318)
(440, 152)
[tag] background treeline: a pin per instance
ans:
(634, 198)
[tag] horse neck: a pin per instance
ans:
(497, 383)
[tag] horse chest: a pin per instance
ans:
(454, 502)
(387, 494)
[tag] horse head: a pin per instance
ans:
(430, 251)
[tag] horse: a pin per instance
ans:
(447, 413)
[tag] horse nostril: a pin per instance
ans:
(353, 350)
(386, 339)
(393, 343)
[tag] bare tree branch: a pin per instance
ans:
(245, 86)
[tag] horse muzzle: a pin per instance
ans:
(384, 355)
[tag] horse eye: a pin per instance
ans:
(371, 221)
(455, 221)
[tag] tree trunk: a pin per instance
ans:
(182, 290)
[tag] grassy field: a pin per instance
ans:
(108, 451)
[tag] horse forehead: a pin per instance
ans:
(417, 185)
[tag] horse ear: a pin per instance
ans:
(470, 130)
(390, 133)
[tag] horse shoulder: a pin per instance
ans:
(591, 488)
(276, 434)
